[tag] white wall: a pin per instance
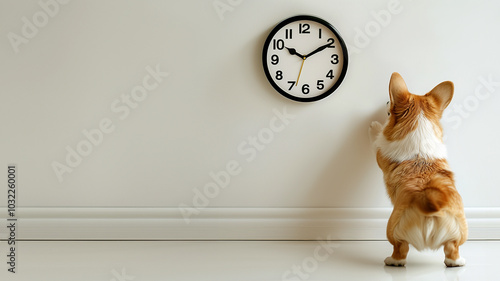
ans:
(74, 69)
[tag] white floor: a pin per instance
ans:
(233, 260)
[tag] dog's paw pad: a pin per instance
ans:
(393, 262)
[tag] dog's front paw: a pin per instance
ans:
(374, 130)
(453, 263)
(393, 262)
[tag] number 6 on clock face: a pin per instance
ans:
(304, 58)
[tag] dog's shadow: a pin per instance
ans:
(424, 271)
(346, 181)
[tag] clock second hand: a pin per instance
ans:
(300, 71)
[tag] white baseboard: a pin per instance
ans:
(222, 224)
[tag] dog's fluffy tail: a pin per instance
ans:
(435, 195)
(430, 200)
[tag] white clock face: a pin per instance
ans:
(304, 58)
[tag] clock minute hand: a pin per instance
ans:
(292, 51)
(319, 49)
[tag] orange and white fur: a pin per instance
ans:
(428, 211)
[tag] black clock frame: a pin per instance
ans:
(340, 40)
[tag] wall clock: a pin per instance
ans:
(305, 58)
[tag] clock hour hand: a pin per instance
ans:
(319, 49)
(292, 51)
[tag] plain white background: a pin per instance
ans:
(66, 78)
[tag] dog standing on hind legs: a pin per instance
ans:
(428, 211)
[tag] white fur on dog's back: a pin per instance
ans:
(421, 142)
(427, 232)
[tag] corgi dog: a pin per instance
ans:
(428, 210)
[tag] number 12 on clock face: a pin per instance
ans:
(304, 58)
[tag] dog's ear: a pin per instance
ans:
(442, 94)
(397, 88)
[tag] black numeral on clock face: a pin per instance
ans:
(304, 28)
(320, 33)
(305, 89)
(331, 41)
(330, 74)
(335, 59)
(275, 59)
(279, 75)
(292, 83)
(288, 33)
(320, 85)
(278, 44)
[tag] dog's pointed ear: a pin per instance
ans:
(397, 88)
(442, 94)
